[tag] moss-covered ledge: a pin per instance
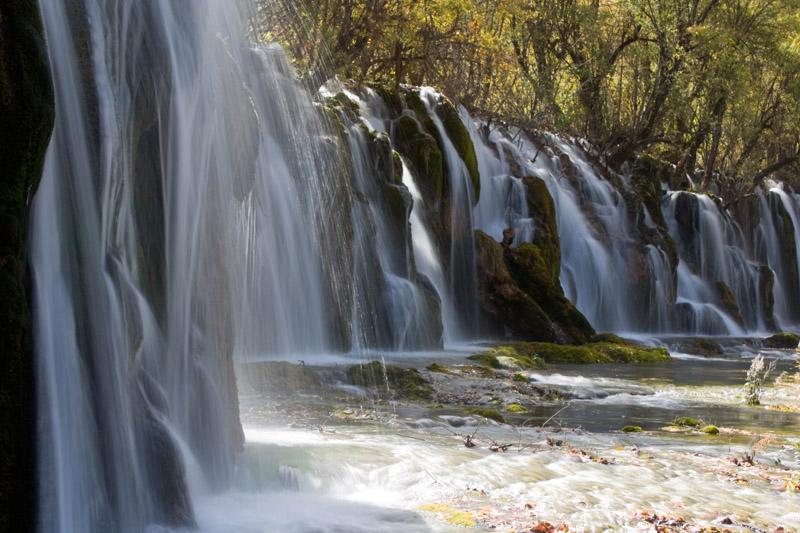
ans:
(603, 349)
(26, 122)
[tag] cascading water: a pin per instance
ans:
(593, 227)
(190, 190)
(463, 276)
(777, 244)
(711, 246)
(390, 309)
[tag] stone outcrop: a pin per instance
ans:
(26, 122)
(516, 290)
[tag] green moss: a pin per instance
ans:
(688, 422)
(436, 367)
(784, 341)
(486, 359)
(711, 430)
(631, 429)
(516, 408)
(461, 518)
(494, 358)
(459, 136)
(397, 165)
(522, 378)
(556, 353)
(597, 352)
(482, 371)
(348, 105)
(391, 98)
(450, 515)
(532, 273)
(610, 337)
(407, 383)
(542, 208)
(488, 413)
(424, 155)
(627, 353)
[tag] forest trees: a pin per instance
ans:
(709, 85)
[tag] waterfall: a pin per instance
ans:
(463, 276)
(197, 206)
(712, 246)
(390, 309)
(593, 224)
(190, 190)
(778, 245)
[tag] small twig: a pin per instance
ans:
(436, 481)
(556, 414)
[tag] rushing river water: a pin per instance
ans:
(405, 467)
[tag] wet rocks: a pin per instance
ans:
(785, 341)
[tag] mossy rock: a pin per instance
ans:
(495, 357)
(543, 210)
(436, 367)
(347, 105)
(415, 104)
(598, 352)
(480, 371)
(424, 155)
(727, 301)
(710, 430)
(486, 359)
(407, 383)
(687, 421)
(516, 290)
(390, 97)
(516, 408)
(491, 414)
(557, 353)
(703, 346)
(783, 341)
(766, 283)
(610, 337)
(631, 429)
(628, 353)
(522, 378)
(280, 377)
(397, 166)
(27, 113)
(459, 136)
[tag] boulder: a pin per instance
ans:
(516, 291)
